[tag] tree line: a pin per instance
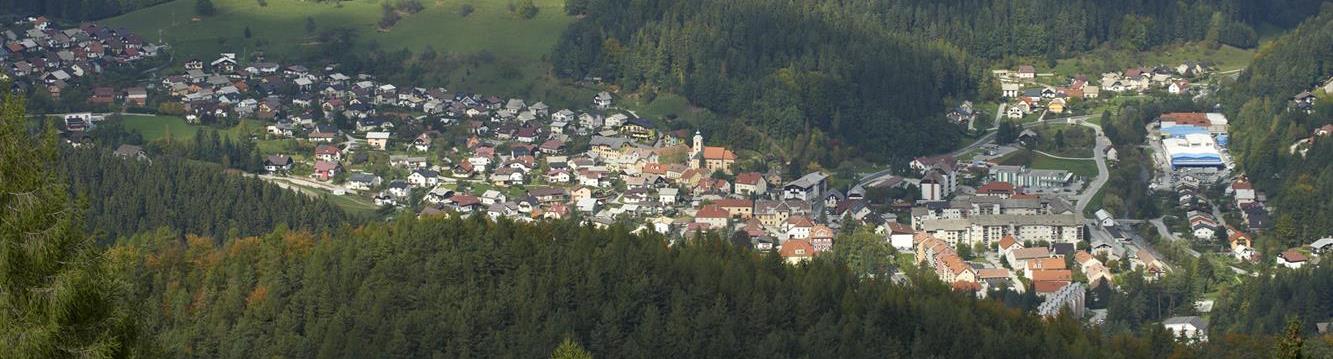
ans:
(75, 10)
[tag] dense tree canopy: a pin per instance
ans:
(75, 10)
(1262, 305)
(455, 287)
(873, 74)
(1264, 125)
(58, 298)
(128, 196)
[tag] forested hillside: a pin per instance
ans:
(874, 74)
(450, 287)
(794, 70)
(1263, 305)
(126, 196)
(1264, 125)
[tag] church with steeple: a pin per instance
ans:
(709, 157)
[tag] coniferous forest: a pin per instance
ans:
(127, 196)
(1264, 125)
(873, 75)
(468, 287)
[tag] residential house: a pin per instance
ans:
(329, 153)
(807, 188)
(1191, 327)
(362, 181)
(326, 170)
(422, 142)
(796, 251)
(821, 237)
(377, 140)
(738, 208)
(1292, 259)
(602, 100)
(1026, 72)
(277, 164)
(751, 184)
(424, 178)
(900, 236)
(713, 215)
(130, 152)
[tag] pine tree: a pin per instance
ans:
(569, 349)
(1289, 344)
(57, 297)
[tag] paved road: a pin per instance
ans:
(350, 144)
(1015, 284)
(989, 137)
(1166, 233)
(301, 183)
(1103, 173)
(1063, 157)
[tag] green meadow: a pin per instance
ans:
(518, 47)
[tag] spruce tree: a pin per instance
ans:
(57, 297)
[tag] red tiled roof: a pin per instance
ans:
(463, 200)
(1046, 263)
(996, 187)
(989, 273)
(821, 231)
(734, 203)
(712, 212)
(1048, 286)
(749, 178)
(1186, 118)
(1052, 275)
(326, 150)
(1291, 255)
(718, 153)
(899, 228)
(797, 248)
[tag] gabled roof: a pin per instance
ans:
(1292, 256)
(797, 248)
(712, 211)
(1052, 275)
(718, 153)
(1030, 253)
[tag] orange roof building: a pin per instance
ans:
(797, 250)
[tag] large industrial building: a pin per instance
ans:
(1188, 139)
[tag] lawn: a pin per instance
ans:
(1225, 58)
(1085, 168)
(1094, 203)
(156, 127)
(516, 48)
(1079, 141)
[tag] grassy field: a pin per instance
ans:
(1225, 58)
(1094, 203)
(1086, 168)
(156, 127)
(517, 48)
